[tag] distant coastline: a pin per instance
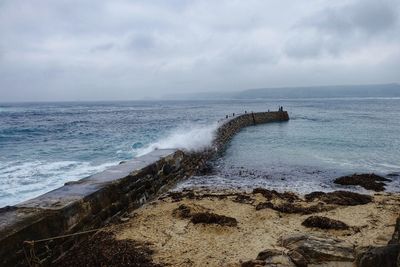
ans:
(330, 91)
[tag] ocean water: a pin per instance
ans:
(44, 145)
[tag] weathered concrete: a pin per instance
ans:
(95, 200)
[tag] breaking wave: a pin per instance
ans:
(189, 138)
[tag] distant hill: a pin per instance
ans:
(373, 90)
(376, 90)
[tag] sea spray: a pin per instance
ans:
(187, 137)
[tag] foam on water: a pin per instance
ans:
(19, 179)
(44, 145)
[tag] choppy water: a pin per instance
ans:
(43, 145)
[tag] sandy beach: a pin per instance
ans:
(167, 227)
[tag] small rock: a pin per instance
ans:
(324, 223)
(368, 181)
(263, 255)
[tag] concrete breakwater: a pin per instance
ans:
(97, 200)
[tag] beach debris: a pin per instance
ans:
(270, 194)
(102, 249)
(293, 208)
(385, 256)
(324, 223)
(369, 181)
(182, 211)
(205, 217)
(318, 249)
(344, 198)
(244, 199)
(212, 218)
(177, 196)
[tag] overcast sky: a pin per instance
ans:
(121, 50)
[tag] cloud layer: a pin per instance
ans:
(108, 50)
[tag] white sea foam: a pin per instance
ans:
(188, 137)
(20, 181)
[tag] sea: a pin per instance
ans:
(44, 145)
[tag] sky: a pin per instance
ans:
(126, 50)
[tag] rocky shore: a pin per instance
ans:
(258, 228)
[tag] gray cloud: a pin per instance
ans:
(338, 29)
(367, 17)
(91, 50)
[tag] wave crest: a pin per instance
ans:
(189, 138)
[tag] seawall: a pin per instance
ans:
(99, 199)
(230, 127)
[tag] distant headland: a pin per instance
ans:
(331, 91)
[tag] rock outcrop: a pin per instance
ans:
(271, 257)
(318, 249)
(270, 194)
(396, 234)
(293, 207)
(384, 256)
(344, 198)
(324, 223)
(368, 181)
(302, 250)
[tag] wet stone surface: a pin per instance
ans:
(368, 181)
(345, 198)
